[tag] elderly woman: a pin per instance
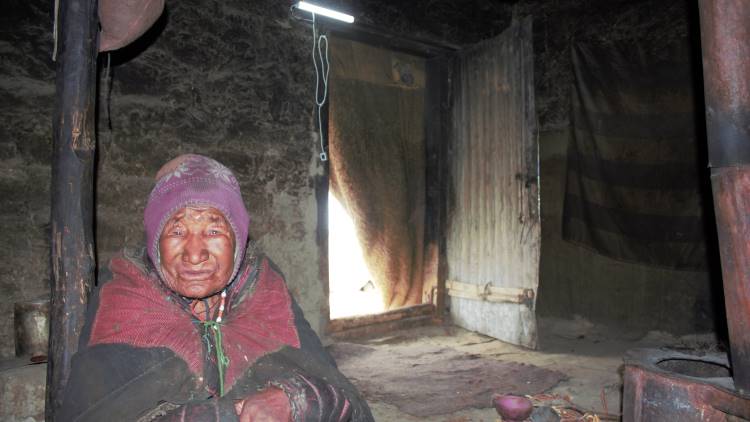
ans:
(200, 327)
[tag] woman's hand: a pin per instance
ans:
(269, 405)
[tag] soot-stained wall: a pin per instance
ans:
(229, 79)
(27, 90)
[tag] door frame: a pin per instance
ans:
(439, 58)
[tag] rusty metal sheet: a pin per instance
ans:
(493, 223)
(665, 385)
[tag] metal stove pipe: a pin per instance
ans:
(725, 41)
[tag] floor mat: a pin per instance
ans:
(425, 380)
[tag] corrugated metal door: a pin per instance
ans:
(493, 226)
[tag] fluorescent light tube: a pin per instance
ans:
(303, 5)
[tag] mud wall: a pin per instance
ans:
(27, 90)
(228, 79)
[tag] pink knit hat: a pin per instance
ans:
(197, 181)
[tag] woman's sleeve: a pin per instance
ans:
(313, 399)
(317, 391)
(212, 410)
(120, 383)
(339, 397)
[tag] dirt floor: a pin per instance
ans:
(586, 356)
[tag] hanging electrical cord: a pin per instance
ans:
(320, 54)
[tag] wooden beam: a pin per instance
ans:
(383, 38)
(488, 292)
(382, 324)
(74, 144)
(343, 324)
(385, 328)
(437, 138)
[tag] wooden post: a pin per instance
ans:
(74, 143)
(437, 137)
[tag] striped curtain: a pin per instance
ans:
(636, 181)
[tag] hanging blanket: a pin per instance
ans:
(378, 161)
(635, 179)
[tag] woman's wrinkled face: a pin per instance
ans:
(196, 250)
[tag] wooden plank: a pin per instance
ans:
(378, 37)
(382, 38)
(488, 292)
(394, 315)
(74, 144)
(353, 60)
(486, 287)
(437, 138)
(383, 328)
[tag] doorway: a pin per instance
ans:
(442, 230)
(376, 202)
(352, 291)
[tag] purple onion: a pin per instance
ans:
(512, 408)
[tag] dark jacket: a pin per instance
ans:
(144, 356)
